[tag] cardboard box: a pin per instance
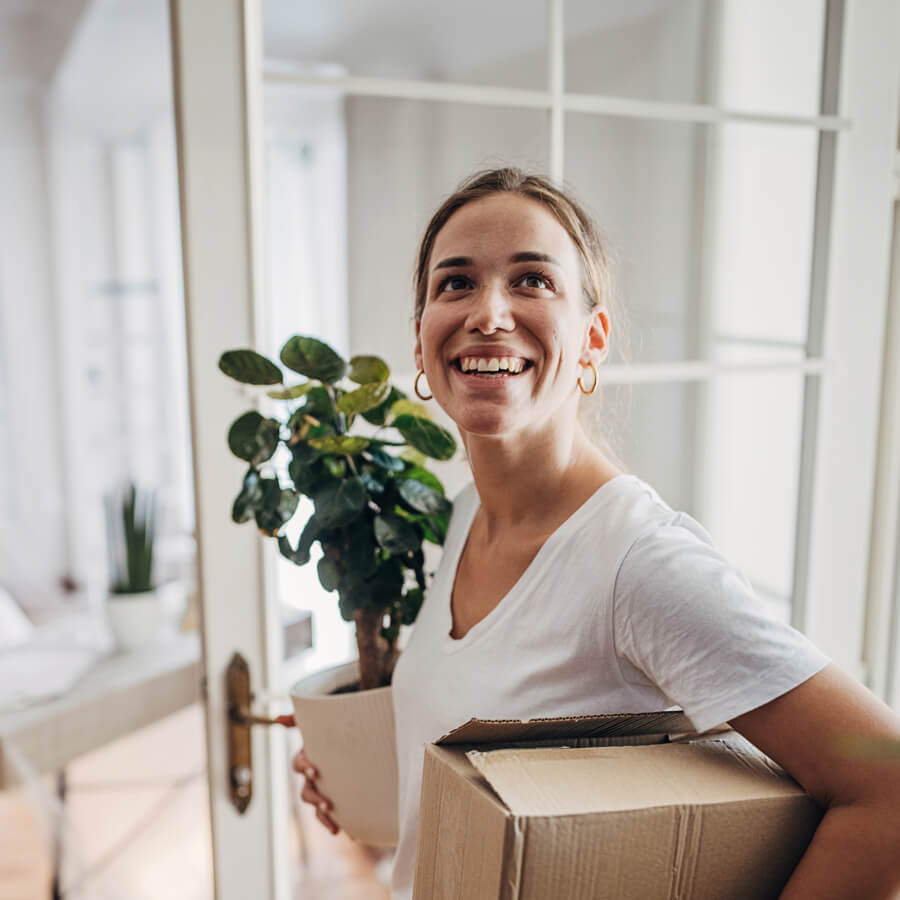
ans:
(626, 806)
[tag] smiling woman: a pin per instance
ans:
(569, 586)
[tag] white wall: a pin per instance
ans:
(33, 550)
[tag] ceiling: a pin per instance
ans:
(415, 38)
(428, 38)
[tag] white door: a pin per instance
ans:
(217, 81)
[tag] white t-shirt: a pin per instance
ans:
(627, 607)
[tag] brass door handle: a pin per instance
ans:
(240, 717)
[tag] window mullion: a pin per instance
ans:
(822, 227)
(556, 86)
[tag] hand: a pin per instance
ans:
(310, 793)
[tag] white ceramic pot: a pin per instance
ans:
(134, 619)
(350, 739)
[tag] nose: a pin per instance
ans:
(491, 310)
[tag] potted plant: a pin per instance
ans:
(134, 610)
(355, 445)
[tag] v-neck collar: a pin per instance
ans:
(513, 596)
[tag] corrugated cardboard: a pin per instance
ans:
(615, 807)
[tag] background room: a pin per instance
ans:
(742, 160)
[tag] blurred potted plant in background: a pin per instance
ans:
(374, 505)
(134, 609)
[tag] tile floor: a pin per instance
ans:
(138, 829)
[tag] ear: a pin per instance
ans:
(596, 344)
(417, 355)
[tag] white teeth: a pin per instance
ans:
(510, 364)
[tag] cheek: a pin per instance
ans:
(433, 329)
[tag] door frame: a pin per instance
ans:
(216, 58)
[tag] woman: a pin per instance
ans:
(567, 586)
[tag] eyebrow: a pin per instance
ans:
(454, 262)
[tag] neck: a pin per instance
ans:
(526, 482)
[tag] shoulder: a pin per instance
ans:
(627, 512)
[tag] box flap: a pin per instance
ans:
(563, 782)
(483, 731)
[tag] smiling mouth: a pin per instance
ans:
(491, 367)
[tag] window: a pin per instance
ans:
(691, 131)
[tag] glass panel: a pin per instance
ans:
(710, 228)
(500, 44)
(727, 452)
(749, 56)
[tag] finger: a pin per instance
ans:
(309, 794)
(287, 721)
(302, 765)
(327, 822)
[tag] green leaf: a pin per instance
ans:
(385, 460)
(337, 468)
(406, 407)
(253, 438)
(418, 473)
(410, 454)
(292, 392)
(353, 595)
(317, 404)
(435, 529)
(358, 548)
(410, 605)
(303, 467)
(248, 499)
(425, 436)
(395, 534)
(249, 367)
(275, 507)
(308, 536)
(370, 480)
(364, 398)
(423, 498)
(378, 415)
(365, 369)
(339, 502)
(345, 444)
(242, 435)
(313, 358)
(329, 574)
(387, 582)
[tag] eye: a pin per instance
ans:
(535, 280)
(453, 283)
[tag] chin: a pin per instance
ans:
(487, 424)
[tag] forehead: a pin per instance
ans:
(504, 223)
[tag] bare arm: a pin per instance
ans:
(855, 852)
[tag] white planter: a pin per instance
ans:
(350, 739)
(134, 619)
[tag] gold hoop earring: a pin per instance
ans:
(418, 393)
(596, 383)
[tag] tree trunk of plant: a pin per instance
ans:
(376, 655)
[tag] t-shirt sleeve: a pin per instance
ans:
(687, 620)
